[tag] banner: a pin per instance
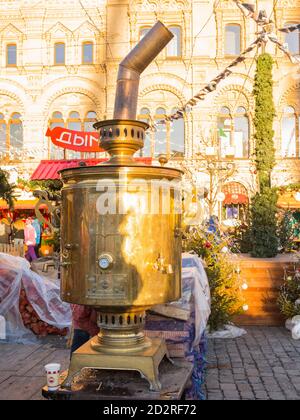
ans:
(78, 141)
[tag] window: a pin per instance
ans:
(241, 133)
(11, 133)
(174, 46)
(87, 52)
(292, 39)
(74, 123)
(234, 132)
(143, 31)
(16, 131)
(165, 138)
(89, 121)
(232, 39)
(288, 141)
(59, 53)
(3, 134)
(57, 120)
(11, 55)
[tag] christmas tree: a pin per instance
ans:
(223, 276)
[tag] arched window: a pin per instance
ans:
(89, 121)
(16, 131)
(174, 46)
(292, 39)
(74, 122)
(288, 133)
(87, 52)
(160, 112)
(162, 138)
(3, 134)
(232, 39)
(225, 111)
(56, 120)
(11, 55)
(234, 132)
(59, 53)
(143, 31)
(241, 133)
(145, 111)
(177, 137)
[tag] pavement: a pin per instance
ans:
(262, 365)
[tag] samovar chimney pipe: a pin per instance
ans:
(133, 65)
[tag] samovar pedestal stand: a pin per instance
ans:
(145, 362)
(120, 345)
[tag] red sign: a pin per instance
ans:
(79, 141)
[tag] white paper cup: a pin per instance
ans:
(53, 371)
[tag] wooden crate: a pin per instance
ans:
(264, 278)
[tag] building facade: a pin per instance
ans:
(58, 67)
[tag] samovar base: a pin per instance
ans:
(145, 362)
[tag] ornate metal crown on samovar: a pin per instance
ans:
(118, 256)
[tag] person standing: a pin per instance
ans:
(37, 228)
(30, 240)
(5, 231)
(84, 325)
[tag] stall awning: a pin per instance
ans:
(21, 204)
(235, 199)
(288, 201)
(235, 193)
(48, 169)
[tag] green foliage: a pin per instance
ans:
(264, 224)
(263, 119)
(241, 237)
(6, 189)
(286, 231)
(290, 294)
(263, 207)
(53, 240)
(294, 187)
(52, 185)
(223, 280)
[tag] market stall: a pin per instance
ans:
(30, 304)
(289, 203)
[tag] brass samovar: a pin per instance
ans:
(121, 240)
